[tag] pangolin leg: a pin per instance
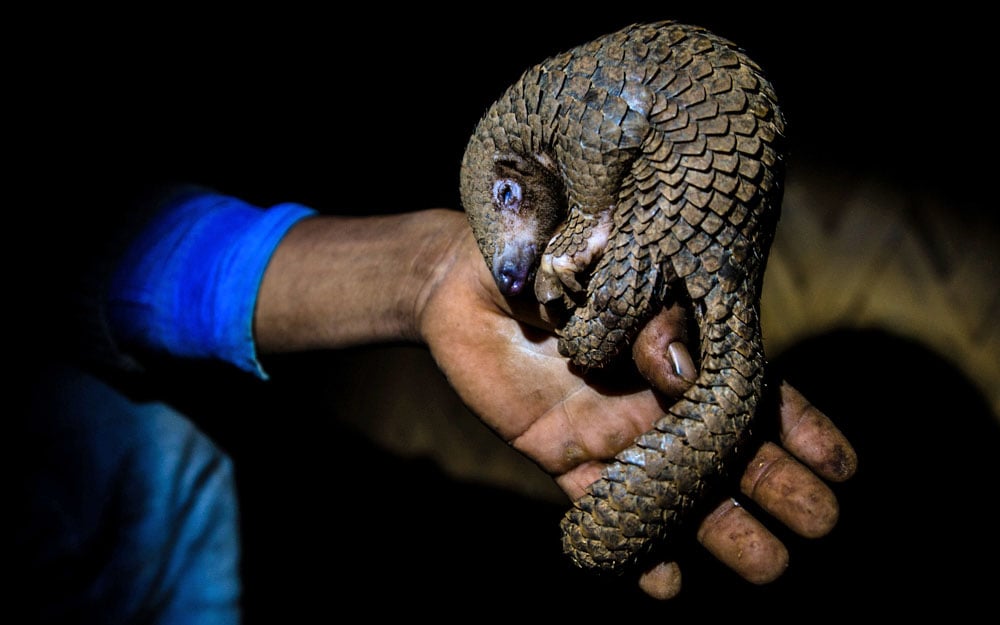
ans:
(571, 251)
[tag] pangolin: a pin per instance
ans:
(643, 167)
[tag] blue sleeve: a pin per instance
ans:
(187, 285)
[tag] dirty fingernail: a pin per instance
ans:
(681, 359)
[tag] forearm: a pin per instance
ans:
(340, 281)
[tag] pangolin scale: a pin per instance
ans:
(641, 167)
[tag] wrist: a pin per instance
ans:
(442, 260)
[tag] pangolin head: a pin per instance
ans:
(514, 203)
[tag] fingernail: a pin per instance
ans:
(681, 359)
(663, 581)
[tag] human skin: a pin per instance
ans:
(336, 282)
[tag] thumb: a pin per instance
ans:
(661, 354)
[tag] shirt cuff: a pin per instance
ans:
(188, 284)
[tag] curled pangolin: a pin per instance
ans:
(644, 165)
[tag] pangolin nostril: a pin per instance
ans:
(511, 278)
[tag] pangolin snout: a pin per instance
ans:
(513, 268)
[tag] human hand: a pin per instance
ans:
(501, 357)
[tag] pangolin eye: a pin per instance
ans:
(507, 194)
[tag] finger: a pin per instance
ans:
(661, 355)
(742, 543)
(662, 581)
(790, 492)
(575, 481)
(813, 438)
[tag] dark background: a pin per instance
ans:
(369, 114)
